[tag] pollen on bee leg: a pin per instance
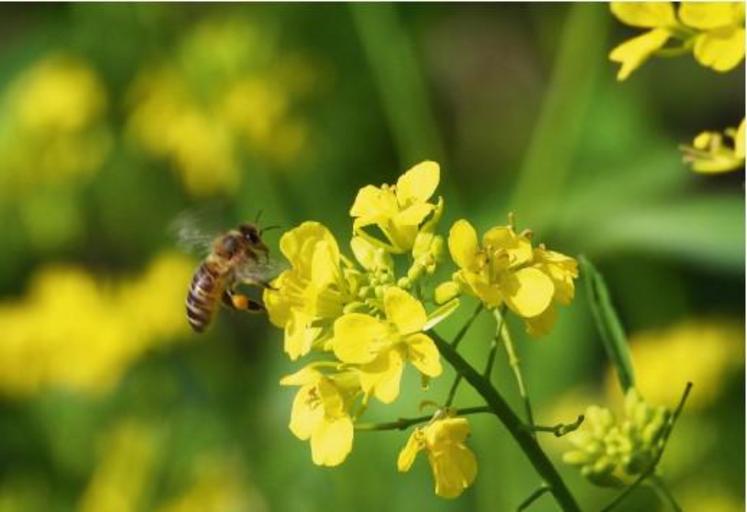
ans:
(240, 301)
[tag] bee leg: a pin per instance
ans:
(267, 285)
(241, 302)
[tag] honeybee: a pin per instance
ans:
(239, 256)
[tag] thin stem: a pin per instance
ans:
(650, 470)
(403, 423)
(513, 424)
(513, 361)
(498, 314)
(560, 429)
(663, 491)
(455, 344)
(542, 489)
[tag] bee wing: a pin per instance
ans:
(259, 272)
(192, 233)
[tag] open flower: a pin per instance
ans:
(312, 291)
(562, 270)
(454, 465)
(709, 154)
(397, 210)
(380, 348)
(658, 17)
(321, 414)
(719, 44)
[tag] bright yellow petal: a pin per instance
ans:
(413, 215)
(307, 412)
(410, 451)
(739, 141)
(292, 242)
(710, 15)
(634, 52)
(325, 269)
(334, 405)
(404, 310)
(306, 375)
(721, 49)
(382, 376)
(277, 305)
(373, 205)
(517, 247)
(463, 244)
(449, 430)
(644, 14)
(528, 292)
(358, 338)
(423, 354)
(299, 336)
(364, 251)
(542, 324)
(454, 470)
(419, 183)
(332, 441)
(446, 291)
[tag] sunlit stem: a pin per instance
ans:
(560, 429)
(403, 423)
(533, 497)
(455, 343)
(649, 472)
(513, 362)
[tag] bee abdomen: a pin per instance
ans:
(202, 299)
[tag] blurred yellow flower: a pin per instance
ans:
(225, 93)
(312, 291)
(397, 210)
(710, 155)
(124, 471)
(453, 464)
(719, 44)
(52, 129)
(380, 348)
(705, 352)
(74, 331)
(321, 412)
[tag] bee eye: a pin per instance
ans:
(253, 237)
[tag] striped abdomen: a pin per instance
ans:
(204, 295)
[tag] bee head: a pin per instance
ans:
(228, 246)
(253, 237)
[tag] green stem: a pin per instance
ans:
(403, 423)
(455, 344)
(494, 344)
(661, 488)
(513, 424)
(650, 470)
(532, 497)
(513, 362)
(560, 429)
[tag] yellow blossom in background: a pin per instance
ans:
(713, 31)
(710, 154)
(75, 331)
(53, 128)
(719, 44)
(505, 269)
(705, 352)
(321, 412)
(397, 210)
(453, 464)
(124, 472)
(380, 348)
(312, 291)
(226, 93)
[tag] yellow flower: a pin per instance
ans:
(312, 291)
(657, 16)
(320, 413)
(710, 155)
(501, 270)
(562, 270)
(381, 347)
(454, 465)
(397, 210)
(719, 44)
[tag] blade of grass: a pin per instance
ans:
(608, 324)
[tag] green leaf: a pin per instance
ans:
(608, 324)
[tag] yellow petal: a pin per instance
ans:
(325, 267)
(454, 470)
(710, 15)
(404, 310)
(364, 251)
(382, 376)
(332, 441)
(739, 141)
(373, 204)
(332, 400)
(423, 354)
(541, 324)
(277, 305)
(720, 49)
(419, 183)
(634, 52)
(449, 430)
(528, 292)
(503, 238)
(306, 375)
(410, 451)
(307, 234)
(463, 244)
(306, 413)
(446, 291)
(358, 338)
(299, 336)
(644, 14)
(413, 215)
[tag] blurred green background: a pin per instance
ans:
(116, 118)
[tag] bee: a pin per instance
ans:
(239, 256)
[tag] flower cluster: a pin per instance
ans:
(611, 453)
(365, 317)
(713, 31)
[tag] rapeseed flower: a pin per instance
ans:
(719, 44)
(453, 464)
(711, 154)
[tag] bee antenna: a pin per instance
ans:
(259, 216)
(269, 228)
